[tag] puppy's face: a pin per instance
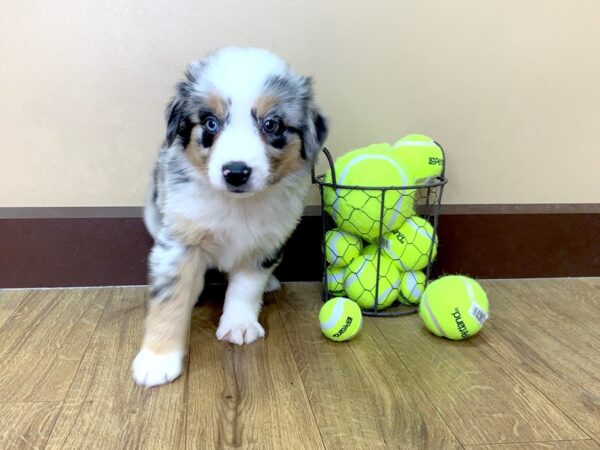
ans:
(245, 120)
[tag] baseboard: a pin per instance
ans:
(50, 247)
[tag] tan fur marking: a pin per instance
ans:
(264, 104)
(286, 160)
(217, 105)
(197, 155)
(167, 322)
(189, 233)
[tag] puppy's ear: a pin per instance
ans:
(174, 116)
(315, 133)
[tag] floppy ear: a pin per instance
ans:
(315, 133)
(174, 117)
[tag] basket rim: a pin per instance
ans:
(440, 181)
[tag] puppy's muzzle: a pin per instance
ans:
(236, 173)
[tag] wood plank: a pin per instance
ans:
(27, 425)
(104, 408)
(550, 331)
(250, 396)
(482, 398)
(553, 445)
(44, 342)
(361, 393)
(9, 301)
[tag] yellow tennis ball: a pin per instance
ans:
(341, 247)
(411, 244)
(454, 307)
(340, 318)
(359, 211)
(370, 249)
(361, 281)
(421, 155)
(335, 280)
(412, 285)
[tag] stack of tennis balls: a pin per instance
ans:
(407, 241)
(359, 211)
(341, 248)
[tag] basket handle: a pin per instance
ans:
(331, 166)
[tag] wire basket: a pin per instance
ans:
(395, 226)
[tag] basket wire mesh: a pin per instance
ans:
(387, 219)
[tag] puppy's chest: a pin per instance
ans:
(228, 232)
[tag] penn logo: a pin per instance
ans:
(435, 161)
(460, 324)
(344, 327)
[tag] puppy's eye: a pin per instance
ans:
(272, 126)
(211, 124)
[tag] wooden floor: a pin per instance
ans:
(530, 380)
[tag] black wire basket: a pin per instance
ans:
(388, 236)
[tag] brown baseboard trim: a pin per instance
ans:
(93, 212)
(77, 212)
(523, 208)
(52, 247)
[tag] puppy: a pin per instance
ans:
(227, 191)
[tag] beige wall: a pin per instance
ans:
(510, 87)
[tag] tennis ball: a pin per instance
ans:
(359, 211)
(454, 307)
(361, 281)
(370, 249)
(340, 319)
(412, 285)
(421, 155)
(335, 280)
(341, 247)
(411, 244)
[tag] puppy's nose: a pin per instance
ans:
(236, 173)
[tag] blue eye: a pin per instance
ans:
(211, 124)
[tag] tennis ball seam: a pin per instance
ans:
(351, 246)
(479, 311)
(333, 248)
(334, 316)
(383, 295)
(434, 320)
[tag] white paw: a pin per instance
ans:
(239, 330)
(273, 284)
(150, 369)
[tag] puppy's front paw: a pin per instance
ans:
(151, 369)
(239, 330)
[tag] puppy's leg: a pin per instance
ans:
(151, 215)
(273, 284)
(239, 322)
(176, 280)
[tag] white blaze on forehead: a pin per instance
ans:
(240, 74)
